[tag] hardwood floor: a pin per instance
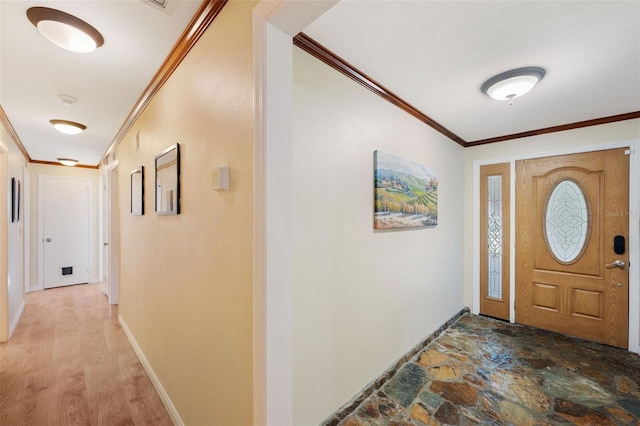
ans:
(70, 363)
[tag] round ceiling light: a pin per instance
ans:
(68, 127)
(67, 161)
(65, 30)
(512, 84)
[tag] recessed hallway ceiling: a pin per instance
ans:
(106, 82)
(435, 55)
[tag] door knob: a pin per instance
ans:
(48, 240)
(617, 264)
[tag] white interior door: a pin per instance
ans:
(65, 231)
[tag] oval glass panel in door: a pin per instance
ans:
(566, 222)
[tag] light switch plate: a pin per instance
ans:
(220, 178)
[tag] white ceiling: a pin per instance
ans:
(107, 82)
(435, 55)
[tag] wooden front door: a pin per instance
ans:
(571, 261)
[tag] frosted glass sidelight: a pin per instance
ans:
(566, 221)
(494, 236)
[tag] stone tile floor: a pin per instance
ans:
(488, 372)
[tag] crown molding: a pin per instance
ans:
(320, 52)
(315, 49)
(203, 17)
(6, 123)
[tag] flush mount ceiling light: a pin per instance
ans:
(512, 84)
(65, 30)
(68, 127)
(67, 161)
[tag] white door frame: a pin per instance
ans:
(41, 179)
(112, 233)
(634, 228)
(26, 227)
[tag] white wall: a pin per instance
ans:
(362, 298)
(13, 164)
(37, 170)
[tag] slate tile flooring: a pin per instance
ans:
(488, 372)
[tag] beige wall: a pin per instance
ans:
(362, 297)
(186, 280)
(37, 170)
(572, 139)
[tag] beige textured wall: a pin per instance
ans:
(186, 280)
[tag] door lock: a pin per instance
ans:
(617, 264)
(48, 240)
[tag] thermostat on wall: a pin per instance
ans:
(220, 178)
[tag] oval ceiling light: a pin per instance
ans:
(512, 84)
(65, 30)
(68, 127)
(67, 161)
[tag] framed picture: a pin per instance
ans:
(406, 193)
(18, 202)
(137, 191)
(15, 200)
(167, 171)
(14, 196)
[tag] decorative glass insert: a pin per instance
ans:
(566, 221)
(494, 236)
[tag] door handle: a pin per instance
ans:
(105, 244)
(617, 264)
(48, 240)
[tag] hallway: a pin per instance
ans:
(484, 371)
(70, 363)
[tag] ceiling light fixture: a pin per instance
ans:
(67, 161)
(68, 127)
(65, 30)
(512, 84)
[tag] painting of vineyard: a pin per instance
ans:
(406, 193)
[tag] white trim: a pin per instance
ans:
(475, 237)
(259, 270)
(16, 319)
(274, 25)
(512, 242)
(101, 218)
(634, 247)
(162, 393)
(113, 249)
(634, 227)
(26, 228)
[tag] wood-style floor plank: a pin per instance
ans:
(70, 363)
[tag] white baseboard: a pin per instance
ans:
(34, 287)
(152, 375)
(94, 280)
(14, 322)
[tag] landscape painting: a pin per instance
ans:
(406, 193)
